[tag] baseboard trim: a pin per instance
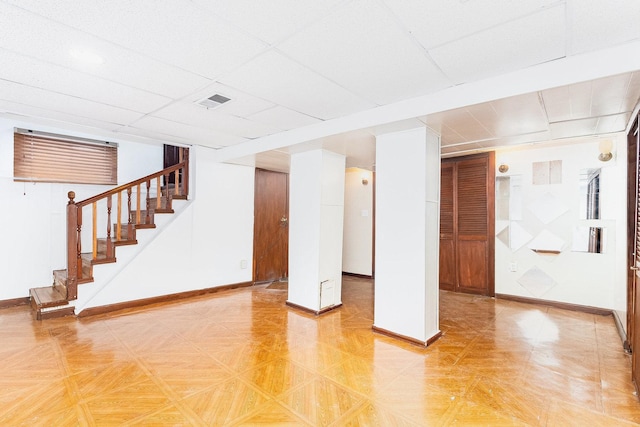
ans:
(557, 304)
(621, 332)
(410, 340)
(310, 311)
(93, 311)
(14, 302)
(361, 276)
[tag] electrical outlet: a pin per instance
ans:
(243, 264)
(513, 266)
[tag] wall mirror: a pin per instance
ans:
(590, 194)
(588, 239)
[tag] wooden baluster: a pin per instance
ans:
(72, 237)
(168, 199)
(109, 247)
(119, 221)
(158, 194)
(138, 205)
(147, 219)
(94, 237)
(129, 224)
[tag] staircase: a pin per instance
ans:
(136, 205)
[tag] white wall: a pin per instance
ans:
(357, 248)
(201, 246)
(33, 216)
(597, 280)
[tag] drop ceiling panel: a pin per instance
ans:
(52, 42)
(613, 123)
(599, 23)
(363, 49)
(42, 75)
(157, 29)
(271, 20)
(283, 118)
(436, 22)
(152, 135)
(517, 44)
(582, 127)
(512, 116)
(48, 100)
(282, 81)
(48, 117)
(199, 135)
(201, 117)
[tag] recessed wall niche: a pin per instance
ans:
(509, 198)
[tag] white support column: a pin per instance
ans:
(407, 234)
(316, 216)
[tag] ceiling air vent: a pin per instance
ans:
(214, 101)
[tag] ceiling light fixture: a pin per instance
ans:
(86, 56)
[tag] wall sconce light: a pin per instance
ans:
(605, 149)
(365, 178)
(503, 168)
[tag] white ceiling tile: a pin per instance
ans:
(282, 81)
(583, 127)
(283, 118)
(57, 119)
(199, 135)
(39, 74)
(599, 23)
(152, 135)
(21, 94)
(436, 22)
(212, 119)
(613, 123)
(52, 42)
(270, 21)
(362, 48)
(517, 44)
(175, 32)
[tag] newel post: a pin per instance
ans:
(72, 247)
(185, 173)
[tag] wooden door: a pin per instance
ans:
(467, 204)
(633, 249)
(271, 226)
(448, 275)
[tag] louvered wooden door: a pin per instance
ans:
(633, 243)
(467, 224)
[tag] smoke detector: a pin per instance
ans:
(214, 101)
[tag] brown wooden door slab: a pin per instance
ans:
(467, 203)
(447, 228)
(271, 226)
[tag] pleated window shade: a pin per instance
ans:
(39, 158)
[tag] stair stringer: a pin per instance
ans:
(108, 279)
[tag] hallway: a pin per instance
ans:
(243, 357)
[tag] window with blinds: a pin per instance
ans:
(51, 158)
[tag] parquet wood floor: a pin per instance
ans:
(243, 358)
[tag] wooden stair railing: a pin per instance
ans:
(140, 207)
